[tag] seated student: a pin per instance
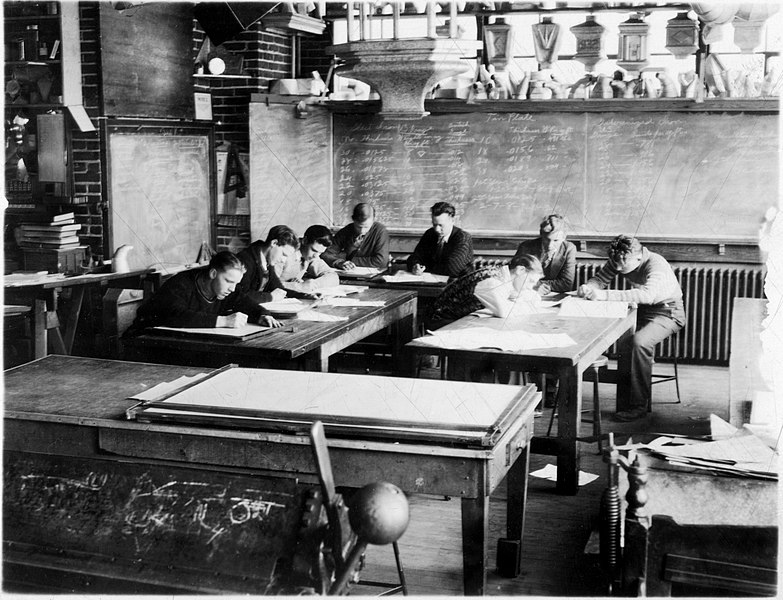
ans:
(557, 256)
(203, 297)
(443, 249)
(264, 261)
(660, 313)
(305, 271)
(362, 243)
(505, 291)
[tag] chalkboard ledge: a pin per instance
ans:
(442, 106)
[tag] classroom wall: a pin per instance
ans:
(267, 56)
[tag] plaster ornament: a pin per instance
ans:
(632, 53)
(669, 86)
(603, 87)
(682, 36)
(537, 91)
(547, 40)
(589, 42)
(688, 83)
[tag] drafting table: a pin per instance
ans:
(77, 411)
(307, 347)
(43, 295)
(592, 337)
(690, 533)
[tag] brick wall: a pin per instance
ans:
(86, 147)
(266, 55)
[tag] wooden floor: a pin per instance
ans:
(557, 527)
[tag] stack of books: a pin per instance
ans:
(60, 233)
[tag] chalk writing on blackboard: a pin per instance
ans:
(655, 174)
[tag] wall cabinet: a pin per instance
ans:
(42, 82)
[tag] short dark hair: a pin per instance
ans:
(283, 235)
(528, 262)
(362, 212)
(225, 260)
(318, 234)
(552, 224)
(622, 247)
(443, 208)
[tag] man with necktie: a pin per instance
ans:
(363, 243)
(444, 249)
(557, 256)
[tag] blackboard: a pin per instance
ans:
(147, 60)
(189, 529)
(290, 168)
(660, 174)
(161, 192)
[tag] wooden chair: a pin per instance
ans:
(119, 311)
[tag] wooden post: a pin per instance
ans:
(453, 19)
(396, 20)
(349, 21)
(363, 22)
(431, 33)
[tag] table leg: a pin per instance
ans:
(403, 331)
(623, 380)
(475, 521)
(509, 559)
(39, 328)
(72, 319)
(317, 362)
(569, 402)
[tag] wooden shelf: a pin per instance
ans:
(441, 106)
(44, 106)
(31, 63)
(211, 76)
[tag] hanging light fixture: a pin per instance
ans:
(589, 42)
(632, 53)
(682, 35)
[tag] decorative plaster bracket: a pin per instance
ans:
(403, 71)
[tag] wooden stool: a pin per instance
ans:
(598, 364)
(663, 377)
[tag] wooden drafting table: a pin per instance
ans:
(397, 433)
(701, 534)
(42, 294)
(591, 336)
(308, 346)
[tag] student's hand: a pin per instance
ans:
(418, 269)
(544, 289)
(270, 321)
(585, 291)
(312, 295)
(278, 294)
(348, 266)
(234, 320)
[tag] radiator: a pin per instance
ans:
(708, 295)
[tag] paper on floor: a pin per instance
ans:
(550, 472)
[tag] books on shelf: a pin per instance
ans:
(60, 233)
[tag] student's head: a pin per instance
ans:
(443, 218)
(317, 238)
(526, 271)
(625, 253)
(281, 243)
(553, 232)
(363, 217)
(225, 272)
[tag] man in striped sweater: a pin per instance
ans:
(660, 313)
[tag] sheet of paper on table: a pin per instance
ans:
(485, 337)
(165, 388)
(579, 307)
(30, 277)
(341, 290)
(352, 302)
(408, 277)
(365, 272)
(248, 330)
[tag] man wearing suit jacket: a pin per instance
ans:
(557, 256)
(444, 249)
